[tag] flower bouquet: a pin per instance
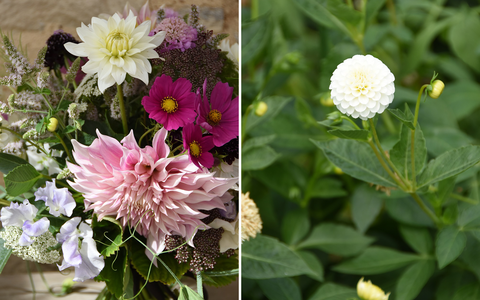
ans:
(120, 155)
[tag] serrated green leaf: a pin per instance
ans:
(280, 289)
(407, 211)
(295, 226)
(336, 239)
(142, 264)
(4, 255)
(418, 238)
(366, 205)
(21, 179)
(449, 164)
(376, 260)
(449, 245)
(414, 279)
(313, 263)
(355, 159)
(114, 271)
(355, 134)
(404, 117)
(265, 257)
(108, 234)
(469, 217)
(332, 291)
(9, 162)
(258, 158)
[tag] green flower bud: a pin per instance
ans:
(326, 100)
(261, 109)
(436, 89)
(337, 170)
(52, 125)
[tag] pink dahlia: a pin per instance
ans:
(198, 146)
(220, 115)
(146, 189)
(171, 103)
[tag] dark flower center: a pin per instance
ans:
(195, 149)
(214, 117)
(169, 105)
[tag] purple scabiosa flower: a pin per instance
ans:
(22, 216)
(198, 146)
(60, 201)
(179, 35)
(56, 51)
(82, 255)
(220, 115)
(170, 103)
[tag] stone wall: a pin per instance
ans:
(36, 20)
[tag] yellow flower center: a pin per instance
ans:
(117, 43)
(195, 149)
(169, 105)
(214, 117)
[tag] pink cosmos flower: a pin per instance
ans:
(170, 103)
(198, 146)
(143, 187)
(220, 115)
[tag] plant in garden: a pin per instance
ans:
(92, 183)
(385, 185)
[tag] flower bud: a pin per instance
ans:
(369, 291)
(52, 125)
(337, 170)
(436, 89)
(261, 109)
(326, 100)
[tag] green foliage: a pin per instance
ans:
(114, 271)
(449, 245)
(331, 291)
(280, 289)
(366, 205)
(108, 235)
(414, 279)
(4, 255)
(21, 179)
(9, 162)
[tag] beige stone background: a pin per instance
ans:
(33, 21)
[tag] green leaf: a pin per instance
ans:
(64, 105)
(407, 211)
(376, 260)
(114, 271)
(401, 152)
(257, 142)
(21, 179)
(295, 226)
(449, 245)
(4, 255)
(108, 234)
(366, 204)
(414, 279)
(373, 6)
(274, 104)
(223, 274)
(336, 239)
(443, 139)
(258, 158)
(355, 159)
(465, 91)
(280, 289)
(406, 118)
(332, 291)
(469, 217)
(445, 188)
(313, 263)
(9, 162)
(186, 293)
(328, 187)
(357, 134)
(265, 257)
(255, 35)
(418, 238)
(449, 164)
(468, 292)
(462, 44)
(142, 264)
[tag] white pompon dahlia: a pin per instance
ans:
(115, 47)
(362, 86)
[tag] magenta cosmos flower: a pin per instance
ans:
(198, 146)
(220, 115)
(171, 104)
(143, 187)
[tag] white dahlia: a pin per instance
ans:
(362, 86)
(115, 47)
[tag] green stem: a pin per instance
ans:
(412, 135)
(425, 208)
(64, 147)
(244, 121)
(391, 10)
(145, 134)
(27, 140)
(389, 124)
(30, 111)
(123, 112)
(351, 121)
(384, 165)
(382, 152)
(31, 280)
(464, 199)
(200, 284)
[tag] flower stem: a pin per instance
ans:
(385, 157)
(200, 284)
(464, 199)
(122, 108)
(425, 208)
(384, 165)
(412, 134)
(351, 121)
(64, 147)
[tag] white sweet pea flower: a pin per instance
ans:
(80, 250)
(230, 236)
(362, 86)
(60, 201)
(224, 170)
(40, 160)
(115, 47)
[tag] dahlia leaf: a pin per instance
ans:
(9, 162)
(356, 159)
(336, 239)
(280, 288)
(406, 119)
(418, 238)
(361, 135)
(255, 36)
(449, 245)
(314, 263)
(257, 142)
(332, 291)
(108, 234)
(449, 164)
(366, 205)
(414, 279)
(142, 264)
(4, 255)
(258, 158)
(295, 226)
(469, 291)
(376, 260)
(274, 104)
(21, 179)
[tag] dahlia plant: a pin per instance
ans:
(110, 167)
